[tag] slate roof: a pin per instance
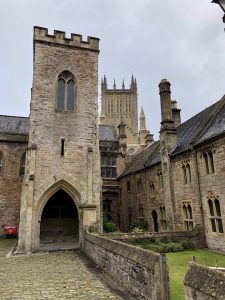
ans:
(20, 125)
(107, 133)
(204, 125)
(14, 125)
(216, 126)
(141, 160)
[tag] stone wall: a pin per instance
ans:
(203, 283)
(10, 182)
(197, 235)
(143, 273)
(212, 187)
(131, 200)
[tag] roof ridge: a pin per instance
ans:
(9, 116)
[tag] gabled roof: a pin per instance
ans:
(14, 125)
(107, 133)
(141, 160)
(204, 125)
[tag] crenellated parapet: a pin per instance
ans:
(59, 38)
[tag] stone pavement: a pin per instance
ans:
(55, 275)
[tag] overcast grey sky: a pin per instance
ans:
(181, 40)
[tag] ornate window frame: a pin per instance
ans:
(67, 100)
(215, 215)
(187, 212)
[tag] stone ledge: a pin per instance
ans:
(209, 281)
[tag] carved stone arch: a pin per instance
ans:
(55, 180)
(70, 190)
(59, 185)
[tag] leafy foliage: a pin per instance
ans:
(109, 227)
(163, 245)
(139, 226)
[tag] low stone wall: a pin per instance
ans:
(143, 273)
(204, 283)
(196, 235)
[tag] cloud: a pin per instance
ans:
(179, 40)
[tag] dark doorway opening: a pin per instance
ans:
(155, 221)
(59, 220)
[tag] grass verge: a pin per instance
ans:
(178, 266)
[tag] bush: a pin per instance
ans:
(165, 240)
(109, 227)
(139, 226)
(189, 244)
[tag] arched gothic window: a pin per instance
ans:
(186, 172)
(215, 215)
(163, 220)
(22, 164)
(65, 92)
(1, 163)
(188, 216)
(139, 185)
(209, 162)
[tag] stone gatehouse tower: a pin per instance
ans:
(61, 186)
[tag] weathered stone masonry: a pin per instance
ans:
(77, 171)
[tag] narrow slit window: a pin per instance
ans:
(62, 147)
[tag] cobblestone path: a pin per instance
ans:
(55, 275)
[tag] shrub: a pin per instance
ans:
(165, 240)
(139, 226)
(109, 227)
(189, 244)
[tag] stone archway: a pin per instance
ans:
(59, 222)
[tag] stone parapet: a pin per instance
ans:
(59, 37)
(143, 273)
(196, 235)
(204, 283)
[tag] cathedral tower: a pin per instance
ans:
(120, 102)
(61, 186)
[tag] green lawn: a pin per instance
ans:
(178, 266)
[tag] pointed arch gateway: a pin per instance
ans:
(59, 216)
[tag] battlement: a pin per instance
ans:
(59, 38)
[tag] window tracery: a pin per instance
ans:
(65, 92)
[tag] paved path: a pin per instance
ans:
(55, 275)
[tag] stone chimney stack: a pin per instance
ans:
(165, 101)
(168, 133)
(175, 113)
(168, 139)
